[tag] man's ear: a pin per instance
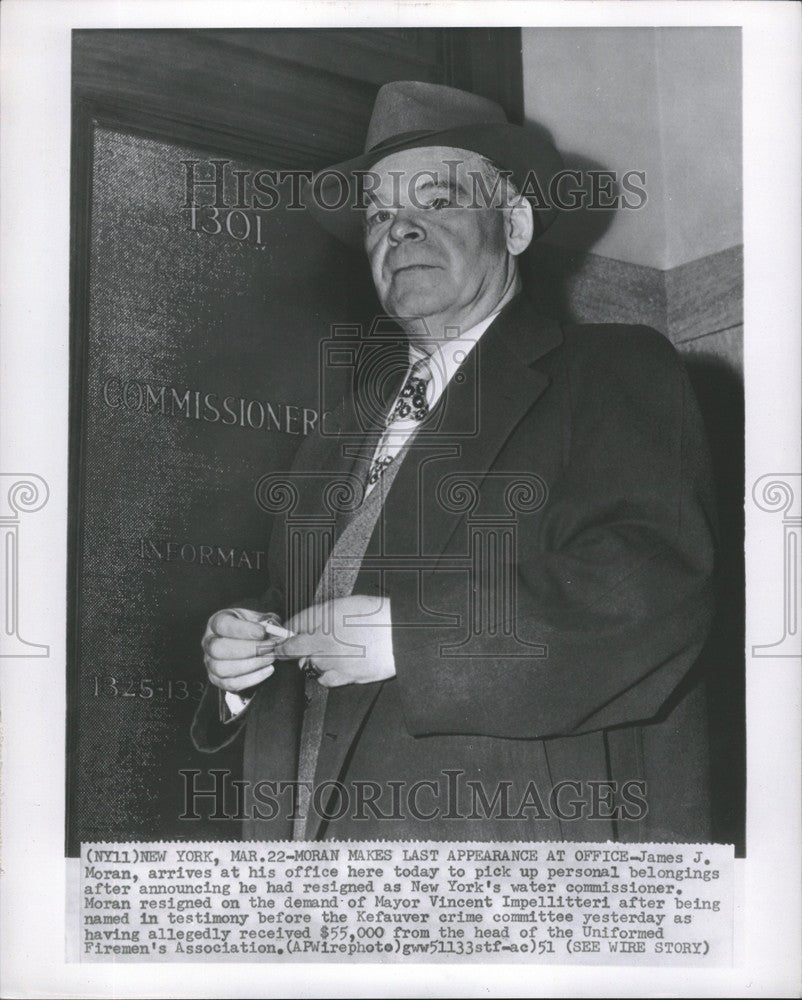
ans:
(519, 226)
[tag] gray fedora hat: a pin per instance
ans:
(409, 114)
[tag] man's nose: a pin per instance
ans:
(406, 228)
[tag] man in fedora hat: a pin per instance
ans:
(501, 644)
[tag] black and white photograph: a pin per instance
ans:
(424, 589)
(415, 345)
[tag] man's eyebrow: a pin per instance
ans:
(439, 184)
(444, 185)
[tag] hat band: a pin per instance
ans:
(400, 138)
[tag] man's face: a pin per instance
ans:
(429, 258)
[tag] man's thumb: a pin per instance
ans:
(293, 648)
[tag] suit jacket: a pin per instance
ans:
(548, 700)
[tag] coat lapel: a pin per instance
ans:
(467, 429)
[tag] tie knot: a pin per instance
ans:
(421, 369)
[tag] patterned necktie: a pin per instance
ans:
(410, 408)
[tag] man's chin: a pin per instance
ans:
(416, 307)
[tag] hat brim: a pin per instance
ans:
(532, 161)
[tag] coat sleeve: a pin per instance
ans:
(211, 728)
(209, 732)
(616, 583)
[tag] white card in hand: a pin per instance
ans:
(276, 630)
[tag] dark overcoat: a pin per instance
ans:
(548, 549)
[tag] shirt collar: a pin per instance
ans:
(447, 355)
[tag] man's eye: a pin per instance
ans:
(377, 218)
(441, 202)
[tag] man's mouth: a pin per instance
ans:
(414, 267)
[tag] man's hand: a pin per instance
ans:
(347, 640)
(238, 652)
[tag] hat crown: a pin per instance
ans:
(405, 106)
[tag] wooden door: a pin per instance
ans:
(195, 336)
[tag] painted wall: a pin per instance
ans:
(665, 101)
(662, 100)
